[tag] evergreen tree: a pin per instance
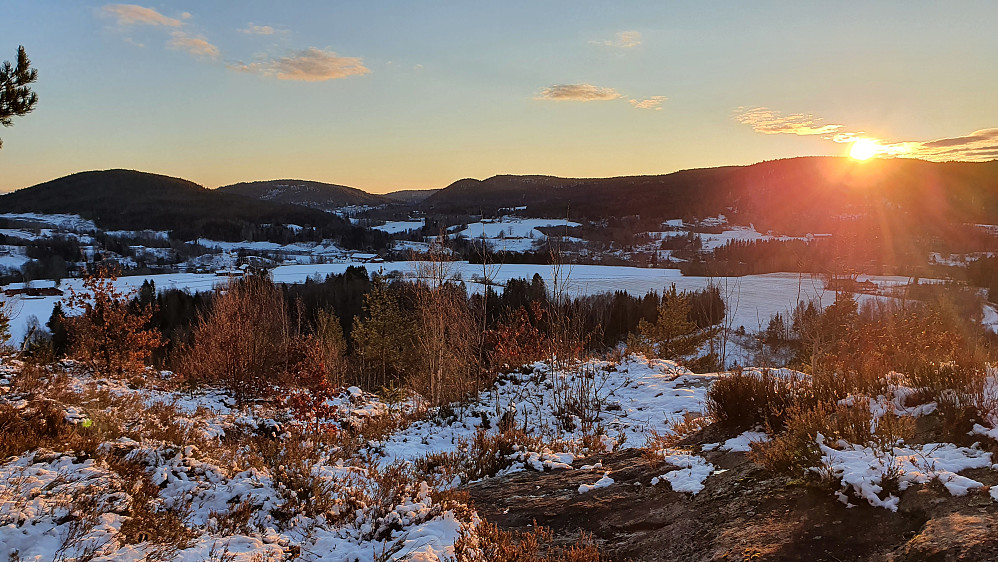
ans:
(16, 98)
(673, 335)
(57, 325)
(384, 338)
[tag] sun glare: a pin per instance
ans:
(864, 149)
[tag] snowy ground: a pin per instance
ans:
(512, 234)
(397, 227)
(55, 504)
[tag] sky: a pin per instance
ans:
(400, 95)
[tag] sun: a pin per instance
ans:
(864, 149)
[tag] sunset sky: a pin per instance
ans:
(395, 95)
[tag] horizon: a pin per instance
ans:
(843, 158)
(388, 98)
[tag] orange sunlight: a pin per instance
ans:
(864, 149)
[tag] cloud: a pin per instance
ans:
(308, 65)
(258, 29)
(623, 40)
(197, 46)
(978, 146)
(984, 135)
(654, 102)
(577, 92)
(132, 14)
(769, 122)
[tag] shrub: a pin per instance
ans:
(242, 342)
(445, 339)
(110, 336)
(745, 400)
(796, 449)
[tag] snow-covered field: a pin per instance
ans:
(72, 223)
(512, 234)
(733, 234)
(751, 300)
(397, 227)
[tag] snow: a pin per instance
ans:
(72, 223)
(739, 444)
(862, 470)
(990, 317)
(744, 234)
(601, 483)
(153, 234)
(512, 234)
(19, 233)
(311, 248)
(641, 395)
(397, 227)
(691, 475)
(12, 257)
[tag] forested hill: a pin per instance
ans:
(132, 200)
(786, 195)
(317, 195)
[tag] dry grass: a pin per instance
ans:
(746, 400)
(487, 542)
(796, 449)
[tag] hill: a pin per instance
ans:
(314, 194)
(411, 196)
(788, 195)
(132, 200)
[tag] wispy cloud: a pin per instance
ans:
(978, 146)
(128, 16)
(981, 145)
(623, 40)
(577, 92)
(132, 14)
(769, 122)
(252, 29)
(654, 103)
(195, 45)
(308, 65)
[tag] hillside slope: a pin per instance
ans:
(788, 195)
(314, 194)
(133, 200)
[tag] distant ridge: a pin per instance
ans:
(314, 194)
(798, 194)
(133, 200)
(410, 196)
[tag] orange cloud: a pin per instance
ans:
(978, 146)
(577, 92)
(308, 65)
(654, 102)
(132, 14)
(769, 122)
(197, 46)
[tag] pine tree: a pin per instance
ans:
(673, 335)
(384, 338)
(16, 98)
(57, 326)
